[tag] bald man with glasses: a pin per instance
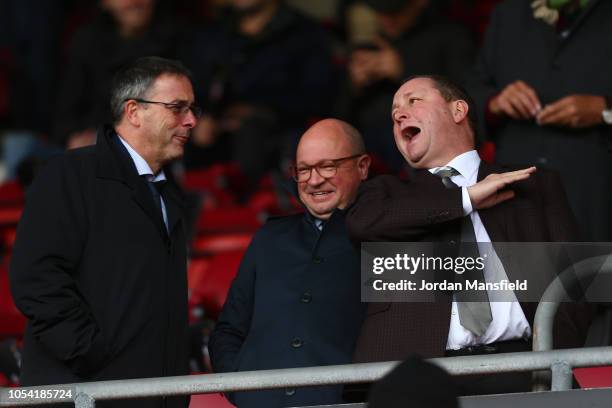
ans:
(295, 301)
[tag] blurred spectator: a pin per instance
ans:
(541, 81)
(122, 31)
(474, 14)
(265, 71)
(30, 34)
(415, 383)
(412, 39)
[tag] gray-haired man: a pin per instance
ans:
(99, 264)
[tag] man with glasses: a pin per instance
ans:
(295, 301)
(99, 263)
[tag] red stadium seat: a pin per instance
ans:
(13, 322)
(9, 216)
(232, 219)
(222, 181)
(209, 401)
(215, 243)
(11, 194)
(594, 377)
(210, 279)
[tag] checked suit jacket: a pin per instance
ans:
(421, 209)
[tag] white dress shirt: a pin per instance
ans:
(144, 169)
(509, 321)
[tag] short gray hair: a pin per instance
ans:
(136, 79)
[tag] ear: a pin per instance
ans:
(363, 166)
(132, 113)
(460, 110)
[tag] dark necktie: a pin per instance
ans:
(156, 188)
(474, 308)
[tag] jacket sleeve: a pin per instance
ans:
(573, 319)
(234, 320)
(50, 239)
(388, 209)
(561, 222)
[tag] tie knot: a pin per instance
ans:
(159, 185)
(446, 171)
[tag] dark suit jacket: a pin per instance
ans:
(422, 209)
(102, 285)
(294, 303)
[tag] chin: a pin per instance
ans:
(321, 212)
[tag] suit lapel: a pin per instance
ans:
(174, 205)
(563, 40)
(115, 163)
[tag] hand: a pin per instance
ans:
(486, 193)
(389, 62)
(367, 66)
(517, 101)
(81, 138)
(574, 111)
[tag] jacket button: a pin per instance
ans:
(306, 297)
(452, 242)
(297, 343)
(289, 392)
(317, 259)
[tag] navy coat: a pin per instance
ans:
(294, 303)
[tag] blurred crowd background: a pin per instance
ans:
(264, 69)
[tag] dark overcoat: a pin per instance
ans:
(102, 284)
(294, 303)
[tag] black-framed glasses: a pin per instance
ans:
(326, 168)
(179, 108)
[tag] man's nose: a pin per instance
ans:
(190, 120)
(402, 114)
(315, 178)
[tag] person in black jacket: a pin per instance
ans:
(265, 73)
(296, 299)
(99, 263)
(413, 38)
(549, 112)
(121, 32)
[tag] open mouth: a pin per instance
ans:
(411, 131)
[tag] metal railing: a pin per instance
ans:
(555, 293)
(558, 362)
(85, 395)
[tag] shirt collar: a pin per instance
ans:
(466, 164)
(141, 164)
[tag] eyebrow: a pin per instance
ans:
(403, 96)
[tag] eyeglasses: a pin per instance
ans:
(326, 168)
(179, 108)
